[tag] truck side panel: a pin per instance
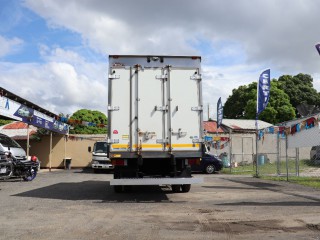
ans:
(119, 108)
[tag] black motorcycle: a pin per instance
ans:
(12, 167)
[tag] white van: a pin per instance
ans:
(16, 150)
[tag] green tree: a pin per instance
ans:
(299, 89)
(278, 109)
(5, 121)
(242, 104)
(89, 116)
(234, 107)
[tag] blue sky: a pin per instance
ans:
(54, 52)
(20, 22)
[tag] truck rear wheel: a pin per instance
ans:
(185, 187)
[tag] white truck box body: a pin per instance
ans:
(155, 106)
(154, 119)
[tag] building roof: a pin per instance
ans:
(240, 125)
(17, 130)
(211, 127)
(15, 125)
(244, 124)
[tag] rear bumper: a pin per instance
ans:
(102, 166)
(154, 181)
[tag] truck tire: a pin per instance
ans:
(175, 188)
(185, 187)
(210, 168)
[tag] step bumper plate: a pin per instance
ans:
(154, 181)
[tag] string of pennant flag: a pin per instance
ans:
(71, 121)
(216, 142)
(283, 131)
(219, 145)
(80, 138)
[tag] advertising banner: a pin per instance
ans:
(219, 113)
(263, 93)
(318, 47)
(20, 112)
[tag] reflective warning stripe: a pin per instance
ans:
(118, 146)
(149, 146)
(181, 145)
(186, 145)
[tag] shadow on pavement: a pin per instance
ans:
(98, 190)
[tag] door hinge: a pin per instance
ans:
(162, 77)
(115, 108)
(161, 108)
(198, 108)
(113, 76)
(195, 77)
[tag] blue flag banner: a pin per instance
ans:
(263, 91)
(14, 110)
(318, 48)
(219, 113)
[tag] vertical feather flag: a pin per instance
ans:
(263, 93)
(318, 47)
(219, 113)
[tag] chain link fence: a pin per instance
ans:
(275, 158)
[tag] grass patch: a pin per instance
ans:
(305, 181)
(267, 170)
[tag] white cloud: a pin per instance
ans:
(237, 40)
(59, 86)
(9, 46)
(278, 34)
(220, 81)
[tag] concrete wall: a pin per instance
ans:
(243, 147)
(75, 148)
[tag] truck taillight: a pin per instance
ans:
(192, 161)
(119, 162)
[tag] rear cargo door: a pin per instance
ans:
(148, 95)
(185, 109)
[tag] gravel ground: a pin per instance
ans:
(77, 204)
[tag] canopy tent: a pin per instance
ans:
(14, 107)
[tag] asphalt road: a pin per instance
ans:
(76, 204)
